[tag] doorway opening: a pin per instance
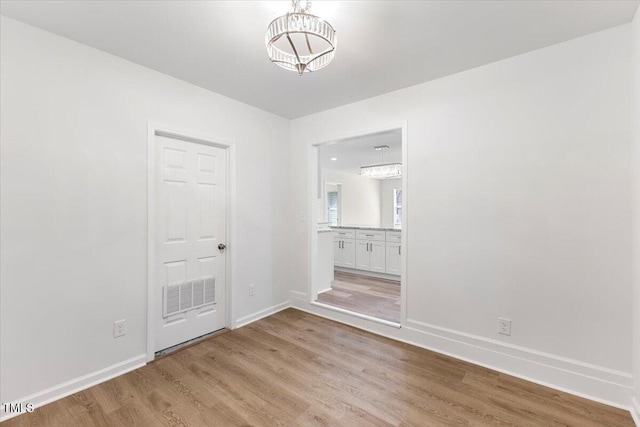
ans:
(359, 233)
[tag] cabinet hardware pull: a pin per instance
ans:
(399, 250)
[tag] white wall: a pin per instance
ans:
(519, 206)
(386, 200)
(360, 198)
(635, 75)
(74, 203)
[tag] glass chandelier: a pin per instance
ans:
(299, 41)
(386, 171)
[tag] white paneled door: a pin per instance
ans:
(190, 208)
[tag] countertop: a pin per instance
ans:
(363, 227)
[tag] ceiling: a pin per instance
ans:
(352, 153)
(382, 45)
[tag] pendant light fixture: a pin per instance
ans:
(299, 41)
(383, 170)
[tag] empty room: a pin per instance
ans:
(327, 213)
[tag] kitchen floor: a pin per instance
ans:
(379, 298)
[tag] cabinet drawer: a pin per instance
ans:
(369, 235)
(394, 236)
(344, 233)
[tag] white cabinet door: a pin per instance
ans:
(377, 256)
(393, 258)
(338, 253)
(349, 253)
(370, 255)
(362, 255)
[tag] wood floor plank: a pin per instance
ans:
(296, 369)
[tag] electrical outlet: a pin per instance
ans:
(252, 289)
(504, 326)
(119, 328)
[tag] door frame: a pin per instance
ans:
(315, 187)
(156, 129)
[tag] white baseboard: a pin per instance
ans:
(324, 290)
(593, 382)
(635, 411)
(78, 384)
(352, 313)
(262, 313)
(608, 386)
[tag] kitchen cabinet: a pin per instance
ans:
(368, 249)
(344, 252)
(370, 255)
(393, 254)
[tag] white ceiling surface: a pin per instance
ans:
(382, 45)
(355, 152)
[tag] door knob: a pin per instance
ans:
(222, 246)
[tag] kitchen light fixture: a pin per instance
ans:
(299, 41)
(384, 170)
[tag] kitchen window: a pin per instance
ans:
(332, 207)
(397, 207)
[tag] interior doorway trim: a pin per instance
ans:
(312, 214)
(156, 129)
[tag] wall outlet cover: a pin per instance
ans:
(504, 326)
(119, 328)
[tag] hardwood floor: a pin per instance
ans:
(366, 295)
(296, 369)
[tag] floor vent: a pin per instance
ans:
(190, 295)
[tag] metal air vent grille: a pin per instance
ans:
(189, 295)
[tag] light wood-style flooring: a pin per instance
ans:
(366, 295)
(296, 369)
